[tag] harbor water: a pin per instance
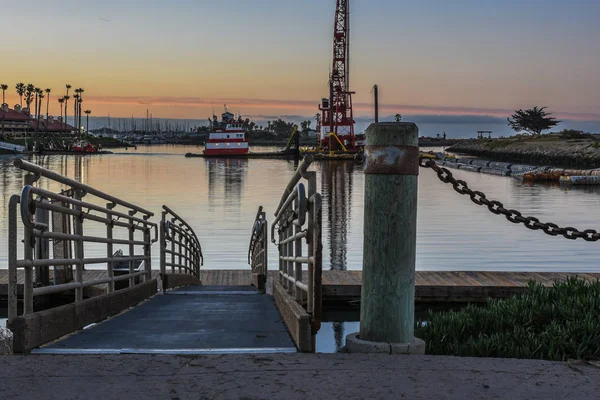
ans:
(219, 198)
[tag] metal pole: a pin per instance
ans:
(42, 248)
(12, 256)
(163, 244)
(78, 230)
(390, 226)
(109, 251)
(376, 95)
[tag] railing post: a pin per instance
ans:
(28, 284)
(298, 253)
(110, 250)
(290, 251)
(163, 243)
(78, 230)
(42, 248)
(390, 226)
(310, 239)
(179, 241)
(265, 246)
(131, 250)
(12, 256)
(148, 254)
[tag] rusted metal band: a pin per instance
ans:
(392, 160)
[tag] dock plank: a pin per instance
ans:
(346, 285)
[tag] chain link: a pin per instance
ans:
(513, 216)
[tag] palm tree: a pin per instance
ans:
(398, 117)
(87, 121)
(29, 91)
(66, 103)
(61, 101)
(48, 90)
(3, 87)
(80, 91)
(66, 99)
(79, 101)
(39, 108)
(75, 105)
(20, 91)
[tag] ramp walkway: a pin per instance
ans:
(114, 308)
(189, 320)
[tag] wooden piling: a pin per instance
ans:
(390, 222)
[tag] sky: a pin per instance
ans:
(180, 59)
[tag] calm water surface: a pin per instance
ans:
(219, 199)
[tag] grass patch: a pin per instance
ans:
(550, 323)
(498, 143)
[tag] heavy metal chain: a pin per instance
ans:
(513, 216)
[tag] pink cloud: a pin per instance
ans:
(310, 106)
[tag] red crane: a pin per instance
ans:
(337, 118)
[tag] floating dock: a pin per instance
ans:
(284, 156)
(525, 173)
(345, 286)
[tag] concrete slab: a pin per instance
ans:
(204, 321)
(293, 376)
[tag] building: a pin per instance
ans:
(53, 125)
(18, 122)
(14, 122)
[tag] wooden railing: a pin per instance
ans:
(298, 225)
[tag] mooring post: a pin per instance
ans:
(390, 227)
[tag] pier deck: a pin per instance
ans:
(188, 320)
(431, 286)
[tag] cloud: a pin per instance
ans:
(311, 107)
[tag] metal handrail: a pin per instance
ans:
(35, 205)
(257, 250)
(178, 239)
(298, 219)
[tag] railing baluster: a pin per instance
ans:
(298, 253)
(78, 230)
(131, 253)
(12, 256)
(109, 253)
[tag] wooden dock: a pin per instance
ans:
(343, 286)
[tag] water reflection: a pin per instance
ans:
(336, 185)
(226, 181)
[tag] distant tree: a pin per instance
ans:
(48, 90)
(20, 91)
(305, 125)
(67, 97)
(533, 121)
(398, 117)
(87, 120)
(3, 87)
(61, 101)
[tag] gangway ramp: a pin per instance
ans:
(188, 320)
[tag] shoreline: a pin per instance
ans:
(551, 149)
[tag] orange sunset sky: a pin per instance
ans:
(269, 57)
